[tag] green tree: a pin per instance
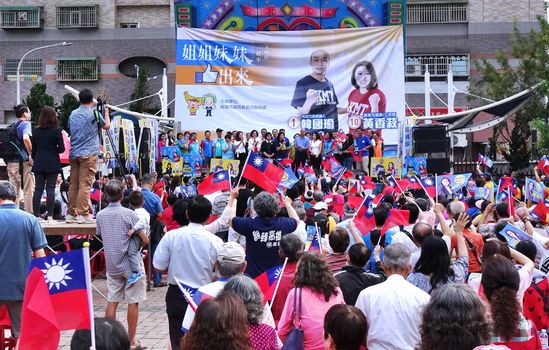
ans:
(37, 99)
(502, 79)
(65, 108)
(141, 90)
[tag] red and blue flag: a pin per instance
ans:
(268, 279)
(219, 181)
(262, 172)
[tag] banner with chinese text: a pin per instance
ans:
(336, 79)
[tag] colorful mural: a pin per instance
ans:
(284, 15)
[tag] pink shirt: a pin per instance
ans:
(314, 308)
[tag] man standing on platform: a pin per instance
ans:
(85, 124)
(113, 224)
(302, 143)
(19, 239)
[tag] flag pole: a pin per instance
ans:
(340, 176)
(86, 257)
(396, 183)
(278, 282)
(242, 172)
(436, 188)
(421, 184)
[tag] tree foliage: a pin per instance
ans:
(503, 79)
(37, 99)
(65, 108)
(141, 90)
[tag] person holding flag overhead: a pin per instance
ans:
(264, 232)
(22, 236)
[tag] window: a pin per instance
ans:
(437, 65)
(21, 17)
(129, 25)
(77, 69)
(438, 12)
(77, 17)
(31, 69)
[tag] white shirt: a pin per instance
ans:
(145, 218)
(393, 310)
(315, 147)
(189, 253)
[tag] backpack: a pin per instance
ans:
(11, 147)
(536, 303)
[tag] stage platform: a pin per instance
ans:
(60, 228)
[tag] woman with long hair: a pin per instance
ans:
(329, 145)
(454, 319)
(347, 154)
(219, 324)
(501, 282)
(47, 145)
(315, 150)
(282, 146)
(316, 290)
(434, 268)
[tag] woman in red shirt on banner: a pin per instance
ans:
(366, 97)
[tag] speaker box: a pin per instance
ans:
(430, 139)
(438, 165)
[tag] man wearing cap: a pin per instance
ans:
(218, 144)
(231, 261)
(22, 236)
(322, 208)
(190, 254)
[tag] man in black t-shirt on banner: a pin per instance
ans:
(314, 94)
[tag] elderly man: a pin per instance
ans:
(19, 239)
(394, 302)
(188, 253)
(231, 261)
(263, 233)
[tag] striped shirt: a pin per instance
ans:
(525, 336)
(336, 261)
(113, 224)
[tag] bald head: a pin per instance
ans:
(421, 231)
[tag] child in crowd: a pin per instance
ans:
(141, 239)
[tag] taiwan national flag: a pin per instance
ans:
(57, 297)
(193, 296)
(219, 181)
(364, 219)
(367, 183)
(267, 281)
(394, 184)
(395, 217)
(429, 186)
(262, 172)
(413, 182)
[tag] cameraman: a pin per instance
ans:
(85, 123)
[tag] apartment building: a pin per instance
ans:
(456, 33)
(111, 40)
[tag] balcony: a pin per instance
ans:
(21, 17)
(438, 66)
(78, 69)
(439, 12)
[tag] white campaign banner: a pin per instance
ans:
(319, 80)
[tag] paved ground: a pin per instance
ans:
(152, 329)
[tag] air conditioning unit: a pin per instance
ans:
(459, 140)
(22, 16)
